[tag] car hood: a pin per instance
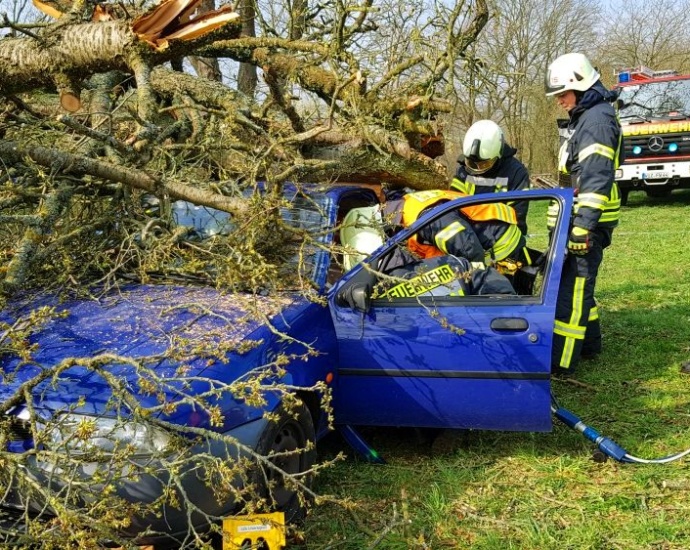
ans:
(175, 333)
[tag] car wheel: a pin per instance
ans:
(624, 196)
(293, 430)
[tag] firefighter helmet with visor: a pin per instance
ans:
(571, 71)
(482, 146)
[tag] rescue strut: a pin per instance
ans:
(357, 442)
(605, 444)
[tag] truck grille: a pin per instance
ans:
(656, 145)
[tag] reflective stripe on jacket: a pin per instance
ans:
(508, 174)
(591, 155)
(493, 227)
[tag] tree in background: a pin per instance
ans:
(506, 82)
(652, 33)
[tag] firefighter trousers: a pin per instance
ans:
(577, 327)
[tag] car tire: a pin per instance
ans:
(293, 429)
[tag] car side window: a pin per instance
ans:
(471, 254)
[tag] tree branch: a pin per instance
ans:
(73, 164)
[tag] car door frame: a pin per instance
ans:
(396, 369)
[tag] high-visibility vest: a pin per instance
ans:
(415, 203)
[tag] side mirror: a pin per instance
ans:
(357, 296)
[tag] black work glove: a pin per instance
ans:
(579, 241)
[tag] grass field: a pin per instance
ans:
(500, 490)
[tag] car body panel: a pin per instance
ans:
(401, 366)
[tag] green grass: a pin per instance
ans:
(500, 490)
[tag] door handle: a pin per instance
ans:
(509, 324)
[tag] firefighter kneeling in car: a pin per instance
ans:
(481, 233)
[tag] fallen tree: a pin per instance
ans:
(100, 132)
(343, 100)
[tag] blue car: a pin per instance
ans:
(149, 370)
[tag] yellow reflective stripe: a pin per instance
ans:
(571, 331)
(463, 186)
(552, 214)
(612, 211)
(593, 314)
(422, 283)
(505, 245)
(506, 213)
(527, 256)
(596, 149)
(578, 302)
(567, 355)
(613, 204)
(593, 200)
(563, 157)
(447, 233)
(610, 207)
(610, 216)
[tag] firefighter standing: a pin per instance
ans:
(488, 165)
(590, 154)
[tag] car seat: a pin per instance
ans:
(361, 231)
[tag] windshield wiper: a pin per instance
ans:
(639, 118)
(678, 115)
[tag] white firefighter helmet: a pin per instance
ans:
(361, 231)
(571, 71)
(482, 146)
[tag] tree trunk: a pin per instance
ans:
(247, 77)
(206, 67)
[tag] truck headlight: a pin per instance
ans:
(80, 432)
(619, 174)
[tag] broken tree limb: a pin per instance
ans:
(49, 211)
(76, 50)
(77, 165)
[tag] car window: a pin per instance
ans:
(456, 257)
(357, 233)
(204, 222)
(305, 259)
(299, 260)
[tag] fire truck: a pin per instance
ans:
(654, 110)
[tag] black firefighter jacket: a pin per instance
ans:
(508, 174)
(591, 155)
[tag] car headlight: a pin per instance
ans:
(84, 432)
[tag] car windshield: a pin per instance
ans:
(655, 99)
(302, 260)
(305, 258)
(204, 222)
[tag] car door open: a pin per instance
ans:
(421, 351)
